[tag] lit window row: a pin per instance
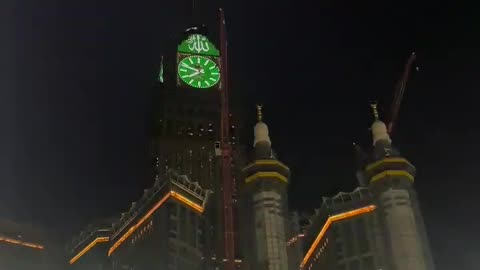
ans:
(319, 252)
(141, 234)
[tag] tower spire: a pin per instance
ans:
(379, 129)
(259, 113)
(375, 111)
(261, 130)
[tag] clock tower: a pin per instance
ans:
(198, 62)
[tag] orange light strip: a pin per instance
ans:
(137, 225)
(21, 243)
(87, 248)
(186, 201)
(130, 231)
(330, 220)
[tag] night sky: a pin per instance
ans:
(76, 79)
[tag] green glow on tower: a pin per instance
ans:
(198, 44)
(160, 72)
(198, 64)
(198, 71)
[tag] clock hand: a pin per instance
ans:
(189, 67)
(191, 75)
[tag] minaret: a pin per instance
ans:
(264, 196)
(391, 178)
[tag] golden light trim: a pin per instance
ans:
(392, 173)
(388, 160)
(266, 174)
(87, 248)
(261, 162)
(186, 201)
(21, 243)
(137, 225)
(330, 220)
(132, 229)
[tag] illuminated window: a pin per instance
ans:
(189, 129)
(159, 127)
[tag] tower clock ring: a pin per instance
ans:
(198, 63)
(198, 71)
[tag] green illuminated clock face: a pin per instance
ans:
(198, 71)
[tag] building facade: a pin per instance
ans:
(23, 247)
(342, 235)
(295, 234)
(165, 228)
(264, 206)
(186, 133)
(379, 226)
(89, 249)
(185, 138)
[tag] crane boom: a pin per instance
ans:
(398, 96)
(226, 150)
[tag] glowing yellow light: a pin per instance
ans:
(275, 175)
(266, 162)
(327, 224)
(187, 201)
(21, 243)
(149, 213)
(392, 173)
(87, 248)
(388, 160)
(137, 225)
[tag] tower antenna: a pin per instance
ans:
(226, 149)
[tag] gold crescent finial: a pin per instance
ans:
(259, 113)
(375, 110)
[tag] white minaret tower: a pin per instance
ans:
(391, 179)
(265, 205)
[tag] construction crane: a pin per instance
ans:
(399, 92)
(226, 152)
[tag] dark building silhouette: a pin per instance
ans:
(89, 249)
(164, 229)
(184, 231)
(23, 247)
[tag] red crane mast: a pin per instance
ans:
(398, 96)
(226, 150)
